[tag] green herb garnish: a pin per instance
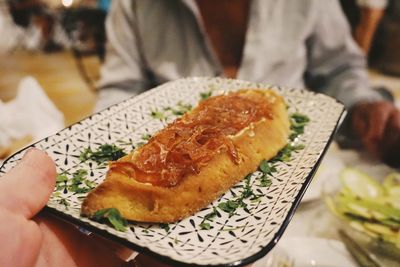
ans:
(230, 206)
(167, 112)
(61, 182)
(61, 200)
(89, 183)
(165, 226)
(111, 216)
(103, 154)
(265, 180)
(78, 184)
(208, 217)
(297, 123)
(64, 202)
(205, 95)
(155, 114)
(205, 226)
(285, 154)
(146, 137)
(124, 143)
(180, 109)
(248, 191)
(267, 169)
(299, 118)
(61, 178)
(78, 180)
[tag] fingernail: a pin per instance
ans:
(28, 152)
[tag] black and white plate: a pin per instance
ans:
(232, 240)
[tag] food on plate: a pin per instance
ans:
(195, 159)
(369, 206)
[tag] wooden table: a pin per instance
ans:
(60, 78)
(57, 74)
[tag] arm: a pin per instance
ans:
(124, 71)
(336, 66)
(371, 12)
(365, 30)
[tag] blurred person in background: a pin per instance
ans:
(370, 15)
(385, 53)
(8, 28)
(39, 27)
(85, 29)
(376, 29)
(45, 29)
(296, 44)
(104, 5)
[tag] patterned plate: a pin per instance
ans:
(232, 239)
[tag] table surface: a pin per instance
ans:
(57, 74)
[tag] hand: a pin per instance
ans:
(32, 239)
(377, 124)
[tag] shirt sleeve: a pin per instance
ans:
(336, 65)
(123, 72)
(379, 4)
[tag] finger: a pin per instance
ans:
(369, 123)
(390, 146)
(113, 248)
(64, 245)
(392, 129)
(377, 119)
(359, 122)
(27, 187)
(20, 240)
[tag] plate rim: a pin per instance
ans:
(168, 260)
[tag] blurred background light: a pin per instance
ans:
(67, 3)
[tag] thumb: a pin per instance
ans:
(27, 187)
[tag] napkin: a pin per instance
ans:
(31, 113)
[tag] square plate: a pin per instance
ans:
(233, 240)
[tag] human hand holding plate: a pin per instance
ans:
(32, 239)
